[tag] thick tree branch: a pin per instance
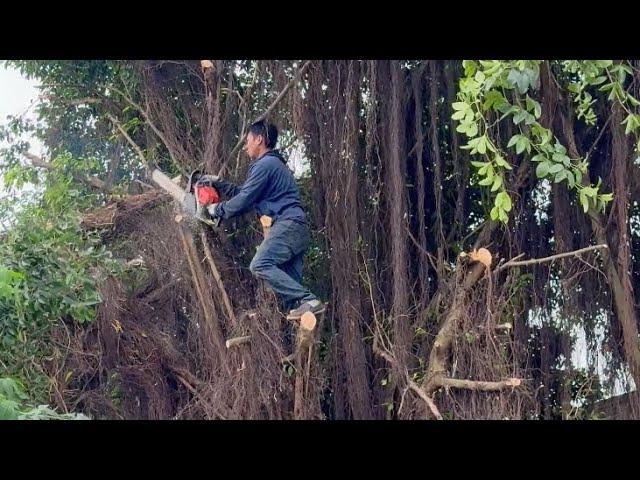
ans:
(479, 386)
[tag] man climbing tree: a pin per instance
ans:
(271, 190)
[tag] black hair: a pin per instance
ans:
(267, 131)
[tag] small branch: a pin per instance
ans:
(595, 142)
(81, 101)
(295, 78)
(432, 406)
(479, 386)
(412, 385)
(534, 261)
(216, 274)
(147, 119)
(269, 109)
(133, 144)
(288, 358)
(421, 249)
(234, 342)
(91, 181)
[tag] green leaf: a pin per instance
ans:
(519, 80)
(12, 389)
(633, 100)
(460, 106)
(603, 63)
(542, 169)
(589, 191)
(561, 175)
(573, 87)
(570, 179)
(482, 145)
(578, 176)
(458, 115)
(632, 123)
(585, 202)
(9, 409)
(504, 218)
(472, 131)
(488, 180)
(503, 201)
(492, 98)
(522, 144)
(506, 203)
(538, 158)
(497, 183)
(478, 164)
(606, 87)
(558, 147)
(519, 117)
(501, 162)
(556, 167)
(513, 140)
(469, 116)
(533, 106)
(494, 213)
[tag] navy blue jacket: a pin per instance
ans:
(269, 188)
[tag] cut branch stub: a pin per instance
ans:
(308, 321)
(481, 255)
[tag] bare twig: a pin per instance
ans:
(412, 385)
(534, 261)
(216, 274)
(133, 144)
(595, 142)
(431, 258)
(148, 120)
(421, 393)
(91, 181)
(269, 109)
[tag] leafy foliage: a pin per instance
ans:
(505, 88)
(13, 405)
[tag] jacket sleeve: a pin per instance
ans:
(227, 188)
(248, 194)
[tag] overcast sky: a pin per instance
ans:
(17, 97)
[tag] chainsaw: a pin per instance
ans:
(199, 194)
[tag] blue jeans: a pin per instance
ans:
(279, 259)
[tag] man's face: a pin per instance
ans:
(253, 145)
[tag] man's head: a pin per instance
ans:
(260, 139)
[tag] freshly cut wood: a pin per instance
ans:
(168, 185)
(308, 321)
(234, 342)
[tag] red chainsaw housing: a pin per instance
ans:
(206, 195)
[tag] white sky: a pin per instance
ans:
(18, 96)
